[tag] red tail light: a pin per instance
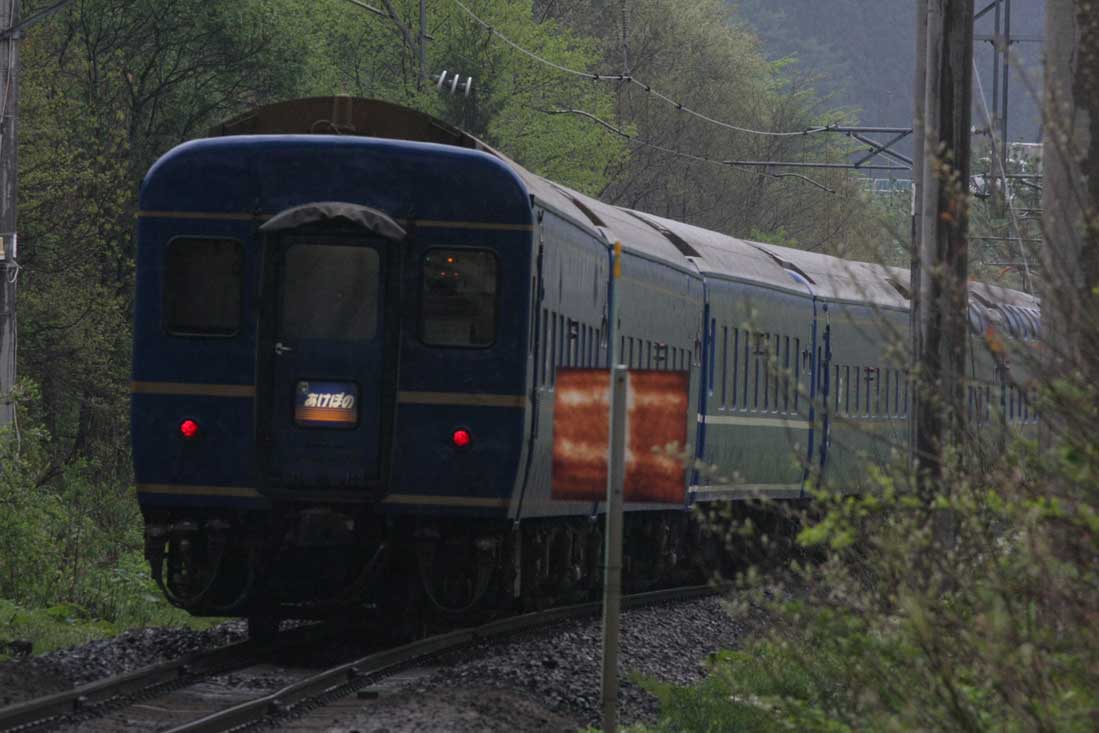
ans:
(188, 429)
(461, 438)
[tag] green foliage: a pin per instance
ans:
(967, 607)
(690, 51)
(71, 564)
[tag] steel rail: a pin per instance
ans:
(343, 679)
(85, 700)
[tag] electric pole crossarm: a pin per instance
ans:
(882, 148)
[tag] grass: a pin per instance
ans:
(66, 624)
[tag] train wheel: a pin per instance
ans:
(263, 628)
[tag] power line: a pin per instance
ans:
(1003, 173)
(625, 77)
(689, 156)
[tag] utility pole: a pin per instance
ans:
(916, 311)
(9, 266)
(941, 320)
(1070, 200)
(616, 477)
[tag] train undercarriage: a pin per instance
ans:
(418, 574)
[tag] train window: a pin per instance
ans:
(747, 363)
(835, 386)
(847, 390)
(533, 312)
(763, 363)
(202, 286)
(868, 377)
(857, 389)
(545, 344)
(724, 364)
(877, 392)
(458, 302)
(553, 348)
(562, 341)
(797, 375)
(775, 370)
(786, 376)
(886, 412)
(736, 364)
(897, 392)
(629, 352)
(330, 292)
(648, 354)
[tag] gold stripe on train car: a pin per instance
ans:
(755, 422)
(434, 224)
(747, 491)
(204, 215)
(465, 501)
(194, 389)
(468, 399)
(190, 490)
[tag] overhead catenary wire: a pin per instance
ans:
(689, 156)
(1003, 172)
(627, 77)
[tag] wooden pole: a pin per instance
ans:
(918, 134)
(1070, 201)
(939, 412)
(9, 267)
(612, 553)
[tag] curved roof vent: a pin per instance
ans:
(584, 208)
(679, 242)
(900, 287)
(786, 264)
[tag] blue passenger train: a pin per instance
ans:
(348, 323)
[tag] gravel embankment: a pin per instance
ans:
(540, 681)
(550, 680)
(66, 668)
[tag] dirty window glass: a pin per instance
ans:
(458, 302)
(330, 292)
(202, 286)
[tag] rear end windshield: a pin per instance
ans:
(459, 298)
(202, 286)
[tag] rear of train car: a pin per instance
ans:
(330, 344)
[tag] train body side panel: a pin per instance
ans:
(757, 406)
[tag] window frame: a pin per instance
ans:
(166, 327)
(496, 300)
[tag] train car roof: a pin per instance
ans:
(676, 243)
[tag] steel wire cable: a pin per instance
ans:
(628, 78)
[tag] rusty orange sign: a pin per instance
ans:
(656, 408)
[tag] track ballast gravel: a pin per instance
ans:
(67, 668)
(550, 680)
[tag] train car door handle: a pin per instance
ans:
(280, 349)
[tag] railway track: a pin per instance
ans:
(290, 700)
(96, 699)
